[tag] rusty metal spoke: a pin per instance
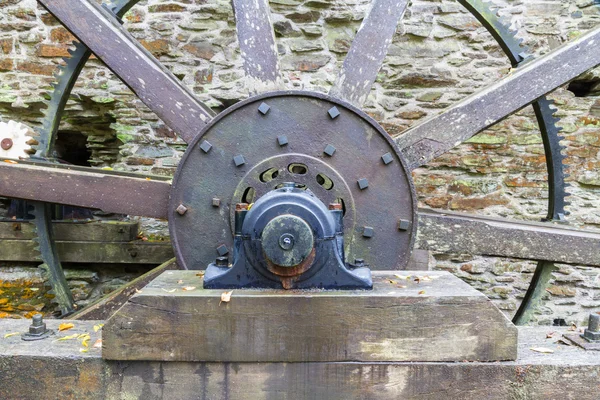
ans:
(257, 44)
(85, 187)
(439, 134)
(159, 89)
(460, 233)
(367, 52)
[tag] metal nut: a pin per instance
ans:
(181, 209)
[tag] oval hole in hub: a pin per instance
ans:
(297, 168)
(269, 175)
(249, 195)
(325, 181)
(343, 203)
(300, 186)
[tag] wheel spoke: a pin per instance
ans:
(368, 50)
(85, 187)
(160, 90)
(460, 233)
(257, 44)
(439, 134)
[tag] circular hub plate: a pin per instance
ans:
(322, 144)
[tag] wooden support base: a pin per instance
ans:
(408, 316)
(51, 369)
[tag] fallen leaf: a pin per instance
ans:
(226, 297)
(544, 350)
(402, 276)
(549, 335)
(84, 350)
(138, 290)
(201, 273)
(98, 327)
(169, 291)
(392, 282)
(573, 327)
(563, 341)
(11, 161)
(66, 326)
(189, 288)
(180, 281)
(401, 286)
(11, 334)
(148, 179)
(97, 344)
(67, 337)
(421, 292)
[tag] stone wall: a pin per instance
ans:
(439, 55)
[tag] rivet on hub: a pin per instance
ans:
(264, 108)
(239, 160)
(403, 225)
(333, 112)
(387, 158)
(363, 183)
(6, 144)
(216, 202)
(222, 250)
(329, 150)
(181, 209)
(205, 146)
(368, 232)
(282, 140)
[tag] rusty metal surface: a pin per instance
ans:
(257, 44)
(368, 49)
(441, 133)
(305, 119)
(159, 89)
(85, 187)
(460, 233)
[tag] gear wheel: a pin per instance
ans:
(16, 140)
(485, 12)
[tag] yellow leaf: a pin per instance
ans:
(201, 273)
(544, 350)
(226, 297)
(421, 292)
(402, 276)
(11, 334)
(84, 336)
(97, 344)
(65, 326)
(84, 350)
(67, 337)
(189, 288)
(10, 161)
(85, 342)
(98, 327)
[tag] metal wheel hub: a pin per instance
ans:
(326, 147)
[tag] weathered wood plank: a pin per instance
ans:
(93, 231)
(440, 318)
(105, 306)
(49, 369)
(136, 252)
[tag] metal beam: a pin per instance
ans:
(257, 44)
(85, 187)
(369, 48)
(158, 88)
(439, 134)
(460, 233)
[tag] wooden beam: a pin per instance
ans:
(92, 231)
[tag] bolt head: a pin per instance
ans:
(239, 160)
(264, 108)
(403, 225)
(363, 183)
(181, 209)
(329, 150)
(216, 202)
(222, 262)
(222, 250)
(6, 143)
(333, 112)
(368, 232)
(286, 241)
(359, 262)
(205, 146)
(37, 330)
(387, 158)
(282, 140)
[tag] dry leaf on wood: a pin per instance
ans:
(189, 288)
(544, 350)
(98, 327)
(66, 326)
(226, 297)
(97, 344)
(11, 334)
